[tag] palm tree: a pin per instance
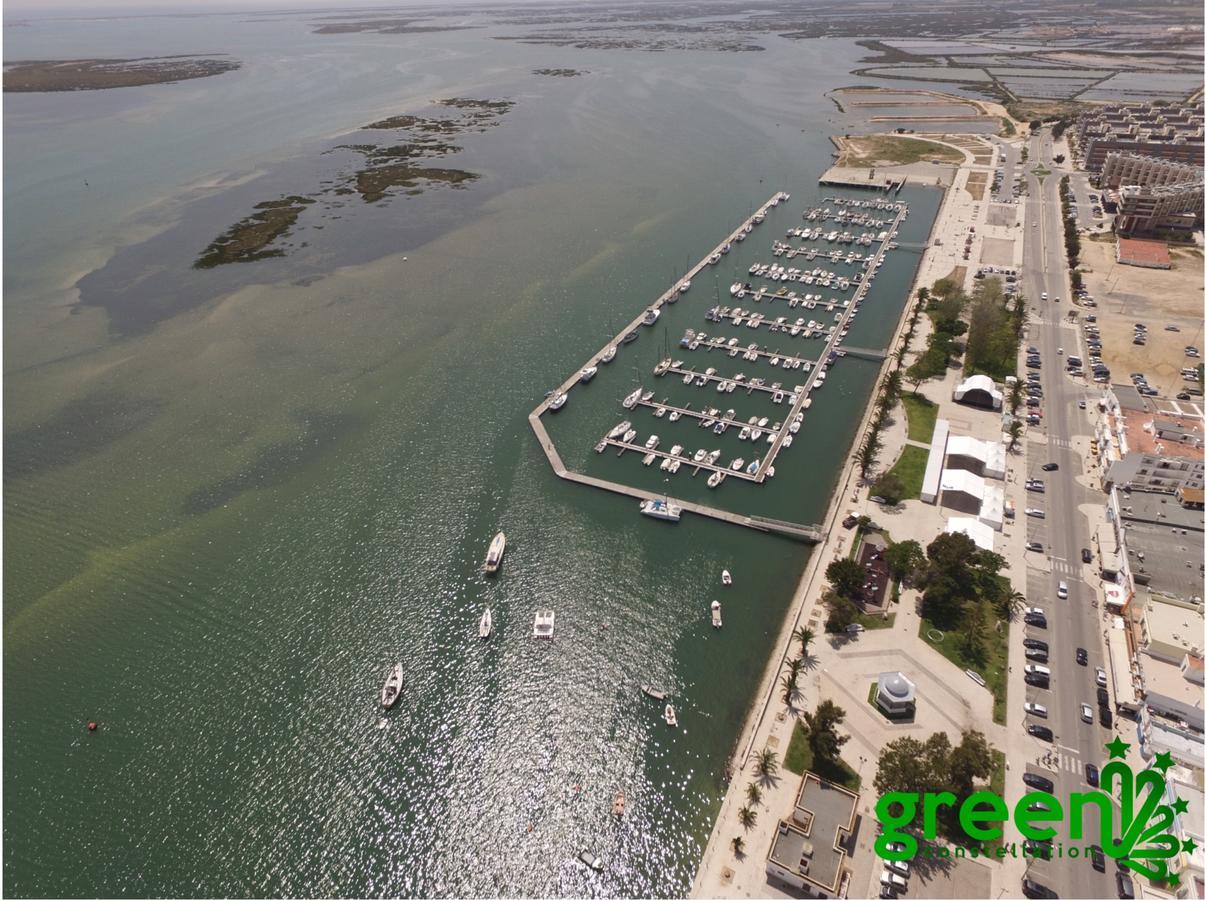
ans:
(738, 846)
(767, 762)
(788, 689)
(753, 792)
(805, 636)
(794, 667)
(748, 817)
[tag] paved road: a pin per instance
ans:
(1073, 622)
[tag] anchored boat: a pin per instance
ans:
(493, 557)
(671, 717)
(544, 624)
(393, 687)
(716, 620)
(655, 692)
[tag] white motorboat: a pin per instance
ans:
(671, 717)
(631, 399)
(619, 429)
(652, 442)
(788, 440)
(744, 435)
(684, 286)
(544, 624)
(629, 435)
(675, 450)
(557, 401)
(649, 459)
(699, 454)
(608, 356)
(716, 620)
(665, 461)
(716, 479)
(393, 687)
(661, 509)
(737, 463)
(726, 577)
(588, 373)
(590, 860)
(493, 557)
(651, 316)
(752, 470)
(487, 624)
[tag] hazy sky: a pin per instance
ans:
(60, 8)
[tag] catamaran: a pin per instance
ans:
(544, 624)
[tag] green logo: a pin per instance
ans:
(1142, 840)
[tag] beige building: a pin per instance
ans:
(1172, 629)
(1163, 131)
(808, 851)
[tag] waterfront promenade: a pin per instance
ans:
(768, 725)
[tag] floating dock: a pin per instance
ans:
(799, 394)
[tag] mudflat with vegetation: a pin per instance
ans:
(102, 74)
(384, 170)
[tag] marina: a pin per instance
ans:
(794, 395)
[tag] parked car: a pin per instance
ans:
(1062, 591)
(1081, 656)
(1038, 681)
(1086, 555)
(890, 878)
(1035, 669)
(1050, 467)
(1085, 712)
(898, 866)
(1035, 512)
(1035, 546)
(1036, 644)
(1041, 732)
(1102, 696)
(1037, 655)
(1038, 782)
(1101, 680)
(1037, 709)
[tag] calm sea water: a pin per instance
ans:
(234, 498)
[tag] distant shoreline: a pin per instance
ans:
(56, 75)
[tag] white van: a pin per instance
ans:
(1035, 669)
(1035, 512)
(1037, 709)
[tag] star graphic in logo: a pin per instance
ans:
(1117, 748)
(1188, 845)
(1181, 805)
(1163, 762)
(1173, 879)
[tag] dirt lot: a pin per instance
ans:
(997, 252)
(868, 150)
(1154, 297)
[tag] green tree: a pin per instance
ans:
(975, 633)
(738, 846)
(753, 793)
(951, 553)
(909, 765)
(893, 382)
(846, 576)
(795, 666)
(841, 614)
(903, 558)
(890, 488)
(822, 731)
(970, 760)
(748, 817)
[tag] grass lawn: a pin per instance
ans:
(799, 760)
(910, 470)
(877, 149)
(872, 622)
(995, 673)
(922, 417)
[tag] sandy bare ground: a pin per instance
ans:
(1156, 298)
